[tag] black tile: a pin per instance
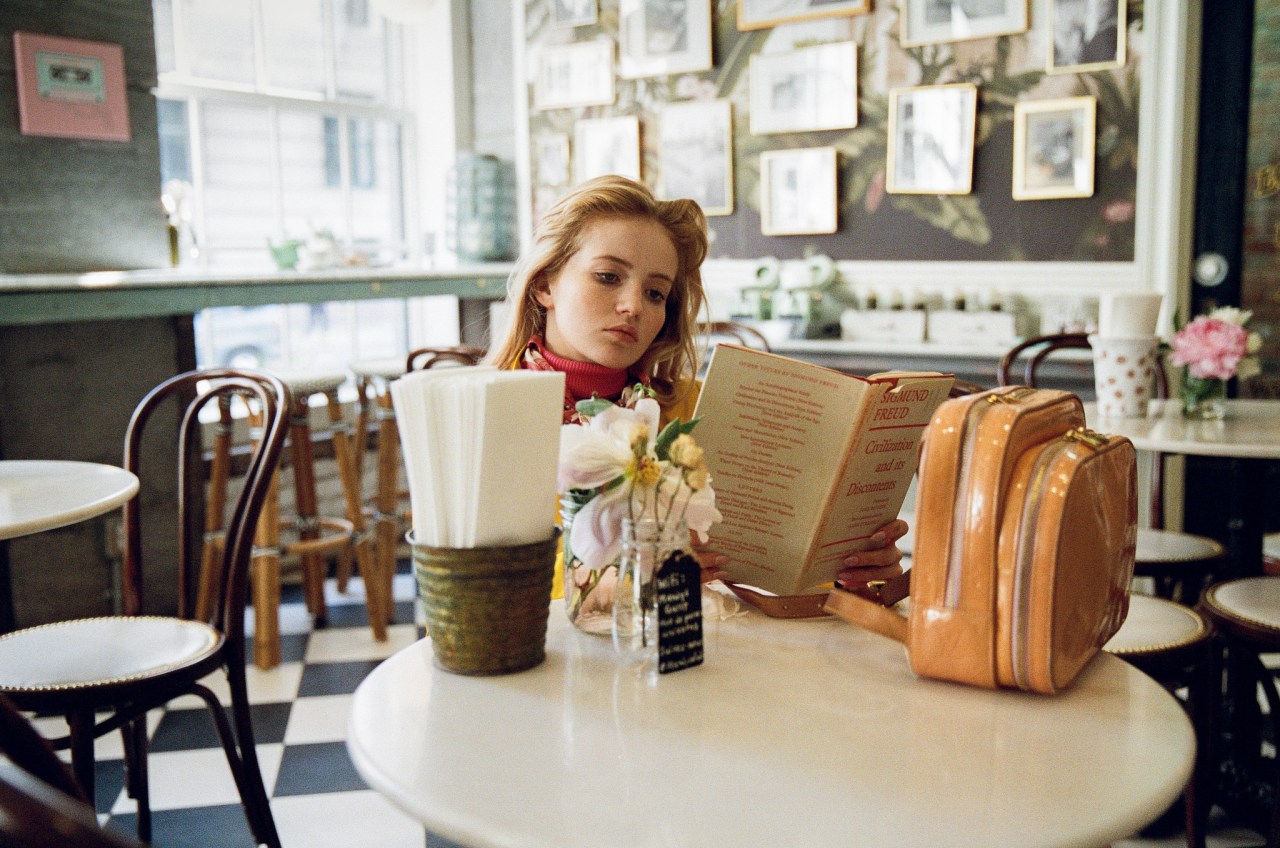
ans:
(108, 781)
(223, 826)
(293, 647)
(316, 769)
(348, 615)
(186, 730)
(340, 678)
(404, 612)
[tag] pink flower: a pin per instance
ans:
(1118, 211)
(1210, 347)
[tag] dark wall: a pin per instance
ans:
(69, 205)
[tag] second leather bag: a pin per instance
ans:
(1026, 526)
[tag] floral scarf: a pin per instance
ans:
(635, 389)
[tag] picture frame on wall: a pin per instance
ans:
(931, 139)
(1054, 148)
(938, 21)
(695, 153)
(70, 88)
(1088, 35)
(572, 13)
(761, 14)
(606, 146)
(798, 191)
(813, 88)
(662, 37)
(572, 75)
(551, 155)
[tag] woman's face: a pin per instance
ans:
(609, 301)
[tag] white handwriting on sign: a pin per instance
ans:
(679, 620)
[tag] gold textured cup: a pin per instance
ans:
(486, 608)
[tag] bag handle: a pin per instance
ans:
(867, 614)
(882, 592)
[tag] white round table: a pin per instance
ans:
(1251, 429)
(40, 494)
(809, 733)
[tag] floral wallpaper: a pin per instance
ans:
(986, 224)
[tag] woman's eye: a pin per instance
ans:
(657, 295)
(607, 277)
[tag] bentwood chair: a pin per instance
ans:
(373, 382)
(125, 665)
(41, 805)
(1179, 564)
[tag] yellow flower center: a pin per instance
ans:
(644, 472)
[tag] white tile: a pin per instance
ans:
(349, 644)
(200, 778)
(344, 820)
(319, 719)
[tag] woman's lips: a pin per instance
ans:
(624, 331)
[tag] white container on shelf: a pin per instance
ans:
(974, 328)
(883, 325)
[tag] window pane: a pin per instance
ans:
(376, 197)
(294, 38)
(361, 52)
(219, 36)
(238, 197)
(163, 12)
(308, 161)
(175, 146)
(380, 329)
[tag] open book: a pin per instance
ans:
(807, 463)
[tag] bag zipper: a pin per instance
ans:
(951, 597)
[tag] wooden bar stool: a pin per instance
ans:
(373, 381)
(306, 534)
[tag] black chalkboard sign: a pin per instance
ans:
(679, 588)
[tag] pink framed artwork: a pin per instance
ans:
(70, 88)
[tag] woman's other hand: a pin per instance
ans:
(879, 563)
(712, 562)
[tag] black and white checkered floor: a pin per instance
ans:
(300, 718)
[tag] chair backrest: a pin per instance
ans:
(743, 334)
(192, 392)
(1037, 349)
(429, 357)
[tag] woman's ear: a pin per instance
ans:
(541, 292)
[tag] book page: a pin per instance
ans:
(871, 488)
(775, 432)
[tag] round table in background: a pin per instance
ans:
(40, 494)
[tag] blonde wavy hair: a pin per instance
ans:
(673, 356)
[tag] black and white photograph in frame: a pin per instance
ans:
(1088, 35)
(606, 146)
(761, 14)
(661, 37)
(571, 13)
(938, 21)
(574, 75)
(798, 191)
(1054, 147)
(551, 154)
(931, 139)
(813, 88)
(695, 154)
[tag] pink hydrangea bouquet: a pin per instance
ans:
(619, 466)
(1212, 349)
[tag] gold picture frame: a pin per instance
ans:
(939, 21)
(695, 152)
(1054, 148)
(1086, 37)
(798, 191)
(932, 131)
(762, 14)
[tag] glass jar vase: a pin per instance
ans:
(1204, 398)
(645, 547)
(588, 592)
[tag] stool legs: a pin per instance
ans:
(264, 573)
(365, 560)
(387, 500)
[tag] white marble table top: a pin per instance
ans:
(809, 733)
(1250, 430)
(37, 494)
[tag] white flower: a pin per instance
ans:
(1232, 314)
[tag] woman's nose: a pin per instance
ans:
(629, 300)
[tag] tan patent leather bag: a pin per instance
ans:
(1026, 525)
